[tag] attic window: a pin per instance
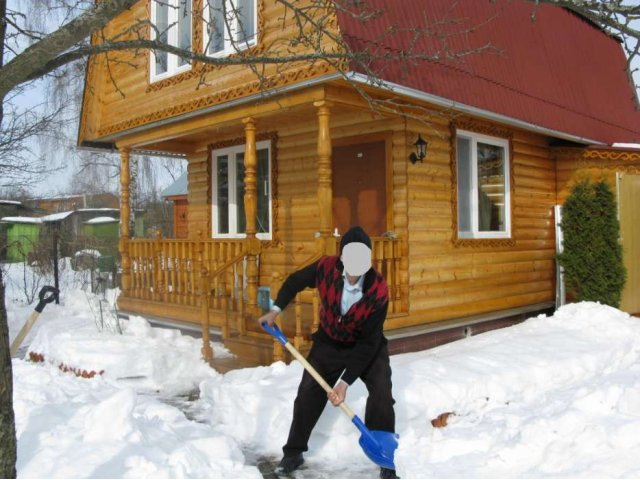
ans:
(172, 24)
(230, 26)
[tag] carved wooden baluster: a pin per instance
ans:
(224, 297)
(276, 283)
(298, 339)
(158, 290)
(390, 274)
(316, 311)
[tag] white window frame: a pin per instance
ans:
(233, 207)
(498, 142)
(229, 47)
(172, 39)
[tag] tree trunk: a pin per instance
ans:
(7, 419)
(8, 442)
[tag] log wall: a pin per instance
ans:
(451, 280)
(123, 96)
(440, 280)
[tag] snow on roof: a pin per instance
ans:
(179, 187)
(10, 202)
(21, 220)
(102, 220)
(54, 217)
(92, 253)
(98, 209)
(633, 146)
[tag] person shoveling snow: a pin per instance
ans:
(349, 344)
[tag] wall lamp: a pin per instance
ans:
(421, 150)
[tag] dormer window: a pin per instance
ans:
(230, 26)
(172, 24)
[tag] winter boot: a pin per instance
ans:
(289, 463)
(387, 473)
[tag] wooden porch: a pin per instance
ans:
(216, 284)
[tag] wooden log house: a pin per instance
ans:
(279, 166)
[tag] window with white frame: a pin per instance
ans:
(484, 195)
(172, 24)
(229, 219)
(229, 25)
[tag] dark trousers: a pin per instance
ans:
(311, 400)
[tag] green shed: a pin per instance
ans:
(101, 227)
(22, 235)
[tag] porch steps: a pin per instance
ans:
(250, 349)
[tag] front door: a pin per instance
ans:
(359, 187)
(629, 194)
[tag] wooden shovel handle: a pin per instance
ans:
(309, 368)
(15, 345)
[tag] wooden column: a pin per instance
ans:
(325, 189)
(251, 208)
(125, 215)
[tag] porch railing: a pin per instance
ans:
(165, 269)
(386, 254)
(212, 274)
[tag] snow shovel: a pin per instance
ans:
(44, 299)
(379, 446)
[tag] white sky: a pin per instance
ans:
(553, 397)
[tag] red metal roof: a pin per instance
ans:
(558, 71)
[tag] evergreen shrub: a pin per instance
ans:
(592, 253)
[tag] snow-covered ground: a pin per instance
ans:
(553, 397)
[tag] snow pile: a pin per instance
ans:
(552, 397)
(70, 427)
(157, 359)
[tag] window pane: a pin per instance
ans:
(215, 27)
(241, 216)
(184, 28)
(463, 159)
(222, 200)
(246, 20)
(491, 188)
(161, 22)
(262, 217)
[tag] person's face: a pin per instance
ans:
(356, 258)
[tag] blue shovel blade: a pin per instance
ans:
(378, 445)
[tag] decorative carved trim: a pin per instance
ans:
(602, 159)
(273, 138)
(612, 155)
(484, 242)
(317, 69)
(484, 129)
(200, 68)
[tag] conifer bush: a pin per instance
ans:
(592, 256)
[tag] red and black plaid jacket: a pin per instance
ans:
(361, 329)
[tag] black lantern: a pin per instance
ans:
(421, 150)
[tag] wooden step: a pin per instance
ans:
(251, 349)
